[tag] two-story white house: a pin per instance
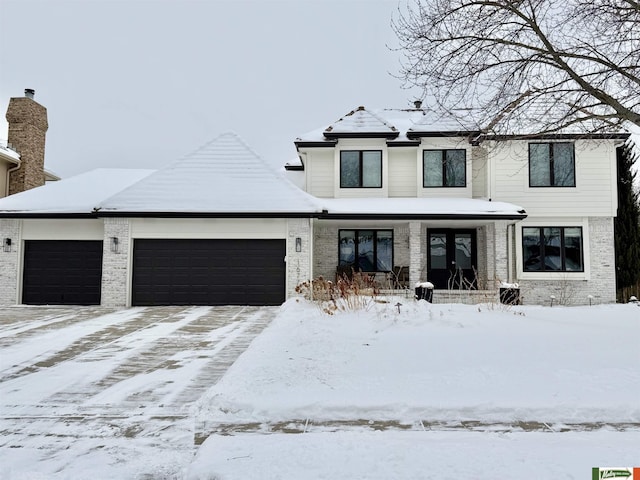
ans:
(399, 194)
(463, 210)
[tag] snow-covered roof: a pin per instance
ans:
(422, 207)
(223, 176)
(397, 125)
(73, 195)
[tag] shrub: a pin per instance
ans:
(349, 293)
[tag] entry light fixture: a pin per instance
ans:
(115, 243)
(298, 244)
(6, 244)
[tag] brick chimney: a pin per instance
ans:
(27, 130)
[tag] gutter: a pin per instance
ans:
(423, 216)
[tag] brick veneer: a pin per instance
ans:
(27, 130)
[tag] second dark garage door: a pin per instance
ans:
(208, 272)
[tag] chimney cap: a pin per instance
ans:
(29, 93)
(417, 104)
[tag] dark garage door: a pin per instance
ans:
(62, 272)
(208, 272)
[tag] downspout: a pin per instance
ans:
(510, 251)
(6, 193)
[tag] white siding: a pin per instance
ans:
(479, 172)
(402, 172)
(3, 178)
(208, 228)
(319, 171)
(593, 195)
(62, 229)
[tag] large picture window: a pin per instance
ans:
(551, 165)
(444, 168)
(554, 249)
(366, 250)
(360, 169)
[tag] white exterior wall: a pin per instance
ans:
(319, 168)
(479, 172)
(258, 228)
(402, 172)
(593, 195)
(10, 261)
(62, 229)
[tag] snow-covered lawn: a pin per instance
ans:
(432, 391)
(548, 386)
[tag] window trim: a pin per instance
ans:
(564, 271)
(375, 245)
(360, 165)
(444, 170)
(551, 164)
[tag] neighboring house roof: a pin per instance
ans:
(49, 176)
(8, 153)
(73, 196)
(222, 178)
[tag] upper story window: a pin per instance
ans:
(552, 165)
(360, 169)
(556, 249)
(444, 168)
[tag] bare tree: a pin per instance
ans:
(526, 66)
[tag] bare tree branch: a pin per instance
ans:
(543, 65)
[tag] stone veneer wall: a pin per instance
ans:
(601, 285)
(10, 261)
(115, 266)
(298, 263)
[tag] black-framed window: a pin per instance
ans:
(360, 169)
(552, 249)
(552, 164)
(366, 250)
(444, 168)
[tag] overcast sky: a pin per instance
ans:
(142, 83)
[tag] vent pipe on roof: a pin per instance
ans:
(29, 93)
(417, 104)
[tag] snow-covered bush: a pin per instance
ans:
(350, 292)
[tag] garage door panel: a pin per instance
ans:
(208, 272)
(62, 272)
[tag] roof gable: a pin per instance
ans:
(224, 176)
(361, 123)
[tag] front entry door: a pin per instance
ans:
(452, 259)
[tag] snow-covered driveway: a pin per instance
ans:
(94, 393)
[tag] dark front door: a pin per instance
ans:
(208, 272)
(62, 272)
(452, 259)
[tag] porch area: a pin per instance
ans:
(465, 260)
